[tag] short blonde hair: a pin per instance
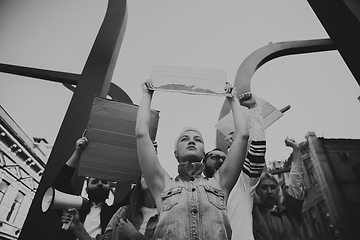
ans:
(184, 130)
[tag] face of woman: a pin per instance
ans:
(190, 147)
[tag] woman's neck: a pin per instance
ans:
(149, 200)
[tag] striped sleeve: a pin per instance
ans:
(255, 159)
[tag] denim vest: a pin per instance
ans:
(194, 207)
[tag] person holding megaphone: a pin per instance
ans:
(97, 214)
(136, 221)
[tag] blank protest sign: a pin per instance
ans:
(111, 152)
(189, 80)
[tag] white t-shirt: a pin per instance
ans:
(92, 220)
(239, 207)
(240, 201)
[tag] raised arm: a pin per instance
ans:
(294, 194)
(296, 185)
(231, 168)
(63, 179)
(255, 158)
(81, 144)
(155, 175)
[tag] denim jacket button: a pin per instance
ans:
(192, 178)
(195, 211)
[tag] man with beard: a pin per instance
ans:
(275, 219)
(213, 161)
(96, 217)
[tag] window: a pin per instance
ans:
(8, 161)
(315, 221)
(307, 226)
(310, 170)
(325, 216)
(13, 170)
(3, 187)
(2, 161)
(15, 207)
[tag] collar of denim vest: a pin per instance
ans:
(187, 170)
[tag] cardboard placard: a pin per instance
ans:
(269, 112)
(111, 152)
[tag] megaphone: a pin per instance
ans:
(55, 199)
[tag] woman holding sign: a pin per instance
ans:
(191, 206)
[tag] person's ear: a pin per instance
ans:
(176, 154)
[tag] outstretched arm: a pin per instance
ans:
(63, 180)
(231, 168)
(296, 186)
(155, 175)
(81, 144)
(255, 158)
(294, 194)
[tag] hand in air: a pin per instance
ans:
(81, 144)
(247, 100)
(230, 91)
(289, 142)
(148, 86)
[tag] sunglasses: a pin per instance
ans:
(217, 157)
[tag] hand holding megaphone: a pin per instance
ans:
(54, 199)
(70, 216)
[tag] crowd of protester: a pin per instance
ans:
(216, 194)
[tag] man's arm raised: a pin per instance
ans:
(296, 185)
(155, 175)
(255, 159)
(230, 170)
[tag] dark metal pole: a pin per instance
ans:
(341, 20)
(94, 81)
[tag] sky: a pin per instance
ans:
(58, 35)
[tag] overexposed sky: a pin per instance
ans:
(58, 35)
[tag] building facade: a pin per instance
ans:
(22, 162)
(332, 187)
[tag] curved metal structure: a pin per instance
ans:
(261, 56)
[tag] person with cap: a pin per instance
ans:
(191, 206)
(275, 219)
(240, 201)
